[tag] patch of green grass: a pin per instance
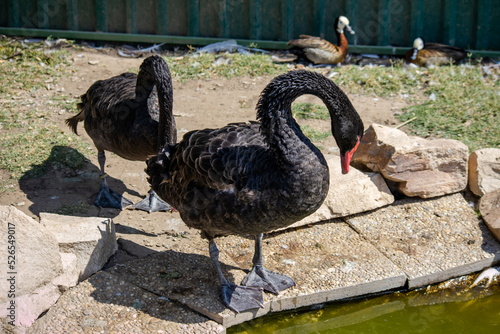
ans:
(71, 209)
(28, 66)
(31, 152)
(310, 111)
(313, 134)
(66, 102)
(30, 143)
(207, 65)
(378, 81)
(462, 104)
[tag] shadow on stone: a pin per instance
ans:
(67, 183)
(187, 278)
(123, 229)
(106, 303)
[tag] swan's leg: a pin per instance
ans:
(237, 298)
(261, 277)
(152, 203)
(107, 198)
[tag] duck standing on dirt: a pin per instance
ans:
(121, 115)
(251, 178)
(427, 54)
(320, 51)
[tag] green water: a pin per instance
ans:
(426, 311)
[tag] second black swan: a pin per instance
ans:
(121, 114)
(251, 178)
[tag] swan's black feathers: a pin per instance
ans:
(250, 178)
(116, 120)
(121, 114)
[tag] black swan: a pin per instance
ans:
(426, 54)
(251, 178)
(121, 114)
(320, 51)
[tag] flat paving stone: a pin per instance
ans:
(430, 240)
(328, 261)
(105, 303)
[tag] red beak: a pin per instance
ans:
(345, 159)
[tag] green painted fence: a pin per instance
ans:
(382, 26)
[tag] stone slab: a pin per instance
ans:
(418, 166)
(328, 261)
(489, 206)
(430, 240)
(31, 261)
(349, 194)
(484, 171)
(106, 303)
(91, 239)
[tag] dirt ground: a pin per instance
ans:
(197, 104)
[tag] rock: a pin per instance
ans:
(91, 239)
(419, 167)
(70, 276)
(484, 171)
(36, 264)
(489, 206)
(352, 193)
(36, 303)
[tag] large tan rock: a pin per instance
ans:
(349, 194)
(91, 239)
(34, 262)
(484, 171)
(419, 167)
(489, 206)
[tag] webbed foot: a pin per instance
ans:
(267, 280)
(108, 198)
(152, 203)
(241, 298)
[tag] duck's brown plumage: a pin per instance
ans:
(435, 54)
(320, 51)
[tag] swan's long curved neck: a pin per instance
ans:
(155, 72)
(167, 131)
(278, 126)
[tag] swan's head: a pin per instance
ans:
(418, 43)
(347, 129)
(348, 142)
(343, 22)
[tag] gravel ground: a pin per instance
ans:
(106, 304)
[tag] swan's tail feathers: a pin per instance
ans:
(72, 122)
